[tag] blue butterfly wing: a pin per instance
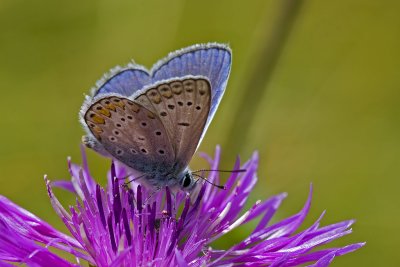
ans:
(210, 60)
(124, 81)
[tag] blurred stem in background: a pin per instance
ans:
(265, 56)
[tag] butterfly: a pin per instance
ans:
(154, 120)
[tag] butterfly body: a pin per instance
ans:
(156, 129)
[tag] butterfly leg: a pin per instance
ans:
(151, 195)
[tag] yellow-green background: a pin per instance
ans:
(315, 88)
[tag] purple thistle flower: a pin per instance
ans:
(134, 226)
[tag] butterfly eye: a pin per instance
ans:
(187, 180)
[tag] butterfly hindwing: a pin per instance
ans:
(131, 133)
(183, 105)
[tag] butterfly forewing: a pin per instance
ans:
(183, 106)
(131, 133)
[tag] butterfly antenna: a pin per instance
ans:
(231, 171)
(216, 185)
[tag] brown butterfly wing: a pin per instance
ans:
(183, 106)
(131, 133)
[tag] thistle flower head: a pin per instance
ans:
(117, 225)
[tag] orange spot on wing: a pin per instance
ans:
(97, 119)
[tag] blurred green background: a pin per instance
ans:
(315, 88)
